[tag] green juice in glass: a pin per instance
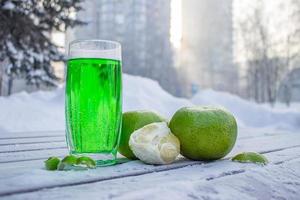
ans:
(93, 106)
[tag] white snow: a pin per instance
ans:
(45, 110)
(11, 47)
(143, 93)
(8, 6)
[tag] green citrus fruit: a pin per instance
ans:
(132, 121)
(205, 133)
(250, 157)
(52, 163)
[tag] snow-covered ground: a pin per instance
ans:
(45, 110)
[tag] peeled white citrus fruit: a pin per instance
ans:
(155, 144)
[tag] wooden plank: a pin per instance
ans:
(24, 143)
(32, 147)
(243, 144)
(39, 140)
(265, 143)
(48, 147)
(83, 181)
(239, 182)
(11, 157)
(24, 137)
(35, 136)
(30, 134)
(271, 182)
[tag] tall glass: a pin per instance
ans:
(93, 104)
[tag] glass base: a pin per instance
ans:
(102, 159)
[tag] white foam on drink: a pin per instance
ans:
(95, 49)
(114, 54)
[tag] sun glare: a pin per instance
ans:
(176, 27)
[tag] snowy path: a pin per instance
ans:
(22, 175)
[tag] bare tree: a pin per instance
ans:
(264, 66)
(291, 50)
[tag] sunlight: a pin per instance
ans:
(176, 26)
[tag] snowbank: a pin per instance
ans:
(143, 93)
(37, 111)
(45, 110)
(249, 113)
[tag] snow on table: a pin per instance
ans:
(23, 176)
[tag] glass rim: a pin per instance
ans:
(111, 51)
(117, 44)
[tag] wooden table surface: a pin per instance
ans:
(22, 175)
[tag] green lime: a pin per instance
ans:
(250, 157)
(52, 163)
(67, 162)
(86, 161)
(132, 121)
(205, 133)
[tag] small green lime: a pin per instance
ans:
(132, 121)
(204, 132)
(250, 157)
(52, 163)
(86, 161)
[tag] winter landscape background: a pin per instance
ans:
(203, 52)
(232, 54)
(240, 55)
(247, 48)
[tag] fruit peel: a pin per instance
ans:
(67, 162)
(85, 161)
(251, 157)
(70, 162)
(52, 163)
